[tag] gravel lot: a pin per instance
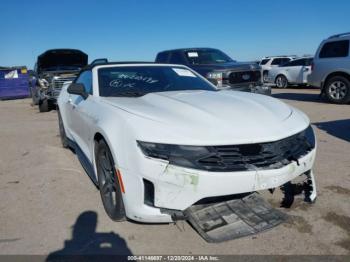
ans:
(44, 190)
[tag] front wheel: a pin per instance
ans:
(337, 90)
(63, 136)
(109, 186)
(44, 106)
(34, 95)
(265, 76)
(281, 81)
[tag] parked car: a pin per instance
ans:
(269, 62)
(158, 138)
(219, 68)
(294, 72)
(331, 69)
(52, 69)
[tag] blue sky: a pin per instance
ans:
(137, 30)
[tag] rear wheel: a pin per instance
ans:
(281, 81)
(110, 191)
(337, 90)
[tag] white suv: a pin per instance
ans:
(269, 62)
(331, 69)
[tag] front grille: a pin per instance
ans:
(57, 83)
(244, 77)
(270, 155)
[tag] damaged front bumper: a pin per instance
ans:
(50, 94)
(177, 188)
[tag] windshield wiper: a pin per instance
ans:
(131, 93)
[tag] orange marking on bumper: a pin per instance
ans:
(121, 184)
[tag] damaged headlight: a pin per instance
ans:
(185, 156)
(234, 157)
(43, 83)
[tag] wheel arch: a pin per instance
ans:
(98, 136)
(333, 74)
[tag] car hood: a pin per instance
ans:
(214, 117)
(61, 60)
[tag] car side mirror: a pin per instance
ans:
(77, 89)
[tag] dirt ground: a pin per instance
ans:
(48, 204)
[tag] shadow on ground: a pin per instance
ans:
(337, 128)
(87, 244)
(300, 97)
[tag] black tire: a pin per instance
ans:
(108, 182)
(281, 81)
(63, 136)
(44, 105)
(337, 90)
(265, 75)
(34, 96)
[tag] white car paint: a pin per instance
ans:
(184, 118)
(296, 71)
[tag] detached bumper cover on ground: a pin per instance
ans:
(234, 218)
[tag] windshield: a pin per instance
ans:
(205, 57)
(141, 80)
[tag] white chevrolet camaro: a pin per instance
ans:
(156, 139)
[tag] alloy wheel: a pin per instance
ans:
(281, 82)
(337, 90)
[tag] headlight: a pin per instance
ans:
(214, 75)
(185, 156)
(216, 78)
(310, 136)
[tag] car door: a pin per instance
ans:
(81, 115)
(306, 71)
(300, 70)
(294, 70)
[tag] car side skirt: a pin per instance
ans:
(84, 161)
